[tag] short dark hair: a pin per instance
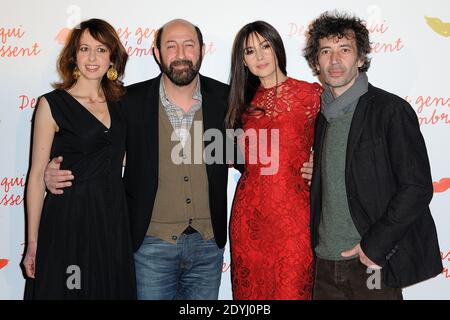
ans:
(103, 32)
(336, 24)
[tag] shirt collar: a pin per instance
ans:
(197, 95)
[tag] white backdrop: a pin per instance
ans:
(410, 58)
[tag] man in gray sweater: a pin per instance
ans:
(371, 228)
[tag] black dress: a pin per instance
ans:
(84, 247)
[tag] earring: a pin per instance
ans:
(112, 73)
(76, 73)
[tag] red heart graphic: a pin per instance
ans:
(441, 186)
(3, 263)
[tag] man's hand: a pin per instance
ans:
(307, 169)
(56, 179)
(356, 250)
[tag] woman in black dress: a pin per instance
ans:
(78, 243)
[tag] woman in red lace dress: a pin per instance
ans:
(271, 257)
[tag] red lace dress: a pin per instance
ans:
(271, 256)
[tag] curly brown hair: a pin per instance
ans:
(103, 32)
(336, 24)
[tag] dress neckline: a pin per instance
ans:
(90, 113)
(278, 85)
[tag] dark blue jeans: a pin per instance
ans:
(191, 269)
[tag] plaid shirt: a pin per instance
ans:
(181, 121)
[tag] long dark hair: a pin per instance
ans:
(103, 32)
(243, 84)
(336, 24)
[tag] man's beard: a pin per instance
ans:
(181, 77)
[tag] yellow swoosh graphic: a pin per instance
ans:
(441, 28)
